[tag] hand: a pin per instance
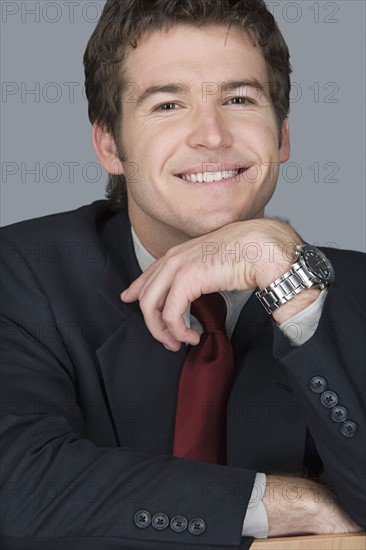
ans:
(238, 256)
(298, 506)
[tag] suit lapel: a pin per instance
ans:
(140, 376)
(141, 380)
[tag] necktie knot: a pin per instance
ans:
(210, 311)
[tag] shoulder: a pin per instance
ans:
(83, 222)
(66, 244)
(60, 255)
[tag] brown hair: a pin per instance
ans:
(123, 22)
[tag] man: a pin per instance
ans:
(94, 453)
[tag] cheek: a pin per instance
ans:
(150, 144)
(260, 132)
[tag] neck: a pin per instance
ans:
(155, 235)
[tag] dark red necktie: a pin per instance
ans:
(204, 385)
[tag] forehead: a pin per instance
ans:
(196, 55)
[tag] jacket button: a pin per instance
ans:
(142, 519)
(329, 399)
(339, 413)
(197, 526)
(160, 521)
(179, 524)
(348, 428)
(318, 384)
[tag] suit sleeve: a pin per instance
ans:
(61, 490)
(328, 376)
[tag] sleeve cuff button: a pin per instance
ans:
(329, 399)
(318, 384)
(160, 521)
(142, 519)
(197, 526)
(348, 428)
(179, 524)
(339, 413)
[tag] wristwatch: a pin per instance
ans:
(311, 269)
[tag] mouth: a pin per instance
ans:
(213, 177)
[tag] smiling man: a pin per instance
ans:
(177, 131)
(192, 414)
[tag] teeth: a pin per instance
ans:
(209, 177)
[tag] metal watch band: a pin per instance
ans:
(286, 287)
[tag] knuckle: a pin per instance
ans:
(166, 317)
(143, 300)
(173, 262)
(177, 248)
(170, 252)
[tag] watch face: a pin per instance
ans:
(318, 263)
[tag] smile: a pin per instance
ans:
(210, 177)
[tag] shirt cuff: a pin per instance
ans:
(256, 520)
(300, 327)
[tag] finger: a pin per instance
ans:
(163, 303)
(140, 286)
(152, 313)
(131, 293)
(161, 332)
(176, 304)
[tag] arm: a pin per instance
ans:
(298, 506)
(182, 275)
(60, 489)
(318, 510)
(336, 353)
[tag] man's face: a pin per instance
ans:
(198, 119)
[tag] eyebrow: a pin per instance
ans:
(172, 88)
(182, 88)
(232, 85)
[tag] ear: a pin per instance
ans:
(284, 152)
(106, 150)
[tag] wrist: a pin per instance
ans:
(292, 505)
(278, 242)
(312, 271)
(296, 305)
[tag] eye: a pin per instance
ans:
(240, 100)
(168, 106)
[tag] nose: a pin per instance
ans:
(209, 130)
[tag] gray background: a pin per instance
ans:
(47, 161)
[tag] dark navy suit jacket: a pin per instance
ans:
(88, 398)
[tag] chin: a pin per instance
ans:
(210, 224)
